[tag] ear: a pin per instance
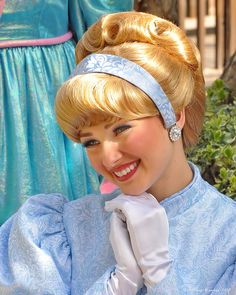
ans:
(180, 117)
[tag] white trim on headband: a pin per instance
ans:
(133, 73)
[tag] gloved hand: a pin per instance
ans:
(148, 228)
(127, 277)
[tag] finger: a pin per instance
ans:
(121, 245)
(118, 231)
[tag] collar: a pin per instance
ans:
(187, 197)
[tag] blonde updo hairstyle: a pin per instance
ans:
(158, 46)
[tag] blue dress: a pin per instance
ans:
(35, 157)
(52, 246)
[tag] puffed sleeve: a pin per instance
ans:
(35, 256)
(83, 13)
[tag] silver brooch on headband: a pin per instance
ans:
(174, 133)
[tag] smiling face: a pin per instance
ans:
(136, 155)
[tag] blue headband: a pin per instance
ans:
(133, 73)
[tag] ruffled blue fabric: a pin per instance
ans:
(34, 251)
(35, 156)
(52, 246)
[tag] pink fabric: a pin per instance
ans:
(36, 42)
(2, 2)
(107, 187)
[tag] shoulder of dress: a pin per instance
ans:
(45, 200)
(41, 205)
(39, 215)
(87, 212)
(92, 201)
(219, 197)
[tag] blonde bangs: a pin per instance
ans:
(87, 100)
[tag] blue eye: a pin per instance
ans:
(121, 129)
(90, 143)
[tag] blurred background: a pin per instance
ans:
(211, 24)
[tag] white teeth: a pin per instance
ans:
(126, 170)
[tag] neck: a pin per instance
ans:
(178, 175)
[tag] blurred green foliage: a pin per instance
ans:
(215, 153)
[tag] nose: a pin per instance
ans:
(111, 154)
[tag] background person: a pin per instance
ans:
(37, 42)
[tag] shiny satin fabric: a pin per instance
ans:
(85, 12)
(146, 222)
(50, 18)
(34, 154)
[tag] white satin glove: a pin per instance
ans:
(148, 228)
(127, 277)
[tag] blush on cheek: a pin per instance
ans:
(135, 141)
(139, 143)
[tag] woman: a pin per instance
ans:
(136, 102)
(37, 43)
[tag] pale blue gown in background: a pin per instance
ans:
(35, 156)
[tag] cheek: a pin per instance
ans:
(146, 142)
(94, 160)
(133, 144)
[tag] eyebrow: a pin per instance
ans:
(86, 134)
